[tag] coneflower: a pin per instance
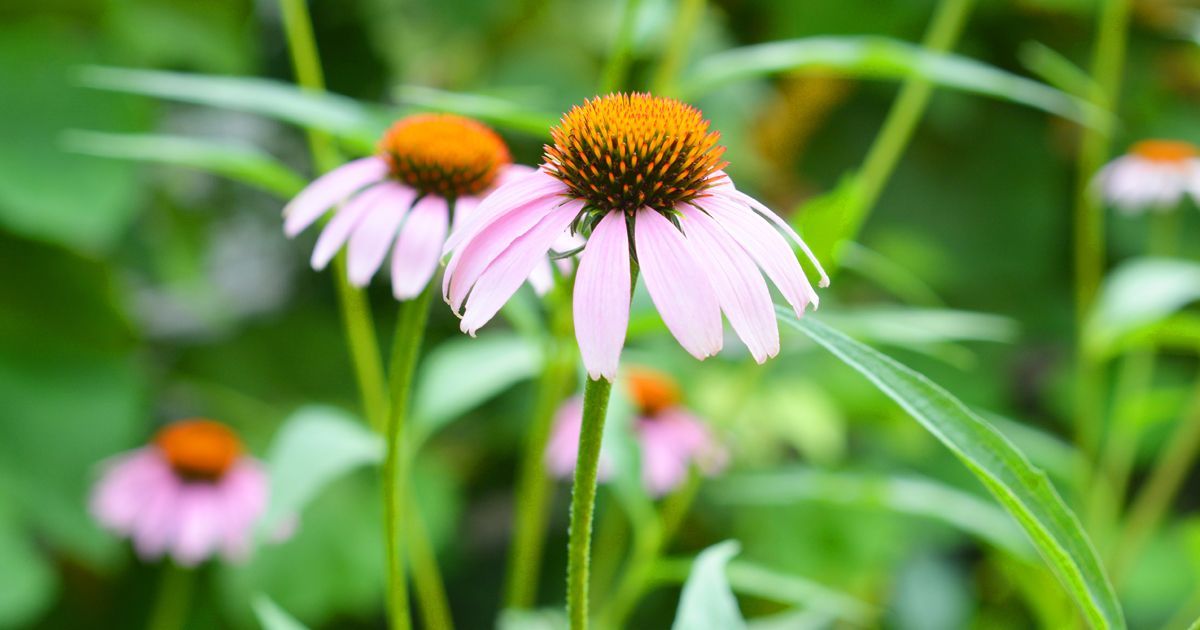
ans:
(1153, 175)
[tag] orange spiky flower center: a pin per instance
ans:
(443, 154)
(631, 151)
(199, 450)
(652, 391)
(1165, 151)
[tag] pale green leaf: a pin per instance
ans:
(241, 163)
(1057, 70)
(496, 111)
(1023, 490)
(1137, 295)
(707, 600)
(272, 617)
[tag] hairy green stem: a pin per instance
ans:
(533, 485)
(410, 332)
(583, 500)
(687, 20)
(617, 68)
(174, 595)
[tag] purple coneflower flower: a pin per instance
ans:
(1153, 175)
(670, 437)
(641, 177)
(191, 493)
(401, 199)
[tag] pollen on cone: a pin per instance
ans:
(443, 154)
(202, 449)
(1167, 151)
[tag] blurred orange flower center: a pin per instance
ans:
(444, 154)
(629, 151)
(652, 391)
(1164, 150)
(199, 449)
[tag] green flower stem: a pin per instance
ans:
(1107, 63)
(1160, 488)
(612, 533)
(686, 22)
(431, 594)
(533, 485)
(410, 332)
(617, 68)
(352, 301)
(583, 500)
(174, 595)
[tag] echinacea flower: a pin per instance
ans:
(671, 438)
(641, 177)
(1153, 175)
(191, 493)
(401, 200)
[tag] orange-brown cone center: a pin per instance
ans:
(651, 390)
(199, 449)
(1165, 151)
(629, 151)
(444, 154)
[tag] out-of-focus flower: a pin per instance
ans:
(670, 437)
(1153, 175)
(641, 177)
(401, 200)
(191, 493)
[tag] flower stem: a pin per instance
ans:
(687, 19)
(533, 485)
(431, 595)
(583, 500)
(174, 594)
(410, 332)
(617, 68)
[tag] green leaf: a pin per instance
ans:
(885, 58)
(272, 617)
(707, 601)
(462, 373)
(908, 327)
(493, 110)
(356, 123)
(1138, 295)
(909, 495)
(1022, 489)
(241, 163)
(314, 447)
(1057, 70)
(888, 275)
(28, 577)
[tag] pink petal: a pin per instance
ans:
(243, 496)
(683, 295)
(562, 449)
(740, 287)
(120, 494)
(515, 194)
(464, 209)
(765, 245)
(542, 277)
(510, 269)
(670, 443)
(370, 241)
(344, 222)
(415, 256)
(601, 299)
(329, 189)
(158, 522)
(787, 229)
(200, 524)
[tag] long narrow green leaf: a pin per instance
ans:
(491, 109)
(272, 617)
(1023, 490)
(909, 495)
(885, 58)
(244, 164)
(356, 123)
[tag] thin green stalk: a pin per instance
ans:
(612, 533)
(1156, 496)
(302, 45)
(174, 596)
(1107, 64)
(410, 332)
(617, 68)
(533, 485)
(943, 33)
(583, 500)
(431, 595)
(687, 20)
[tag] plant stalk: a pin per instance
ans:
(617, 68)
(174, 596)
(583, 500)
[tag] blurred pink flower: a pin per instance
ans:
(641, 177)
(401, 199)
(1153, 175)
(192, 493)
(671, 439)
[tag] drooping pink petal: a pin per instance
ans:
(512, 173)
(510, 269)
(376, 232)
(329, 189)
(678, 286)
(740, 287)
(120, 494)
(243, 495)
(201, 524)
(158, 521)
(602, 293)
(339, 228)
(415, 256)
(477, 254)
(671, 442)
(765, 245)
(518, 193)
(766, 213)
(562, 449)
(464, 209)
